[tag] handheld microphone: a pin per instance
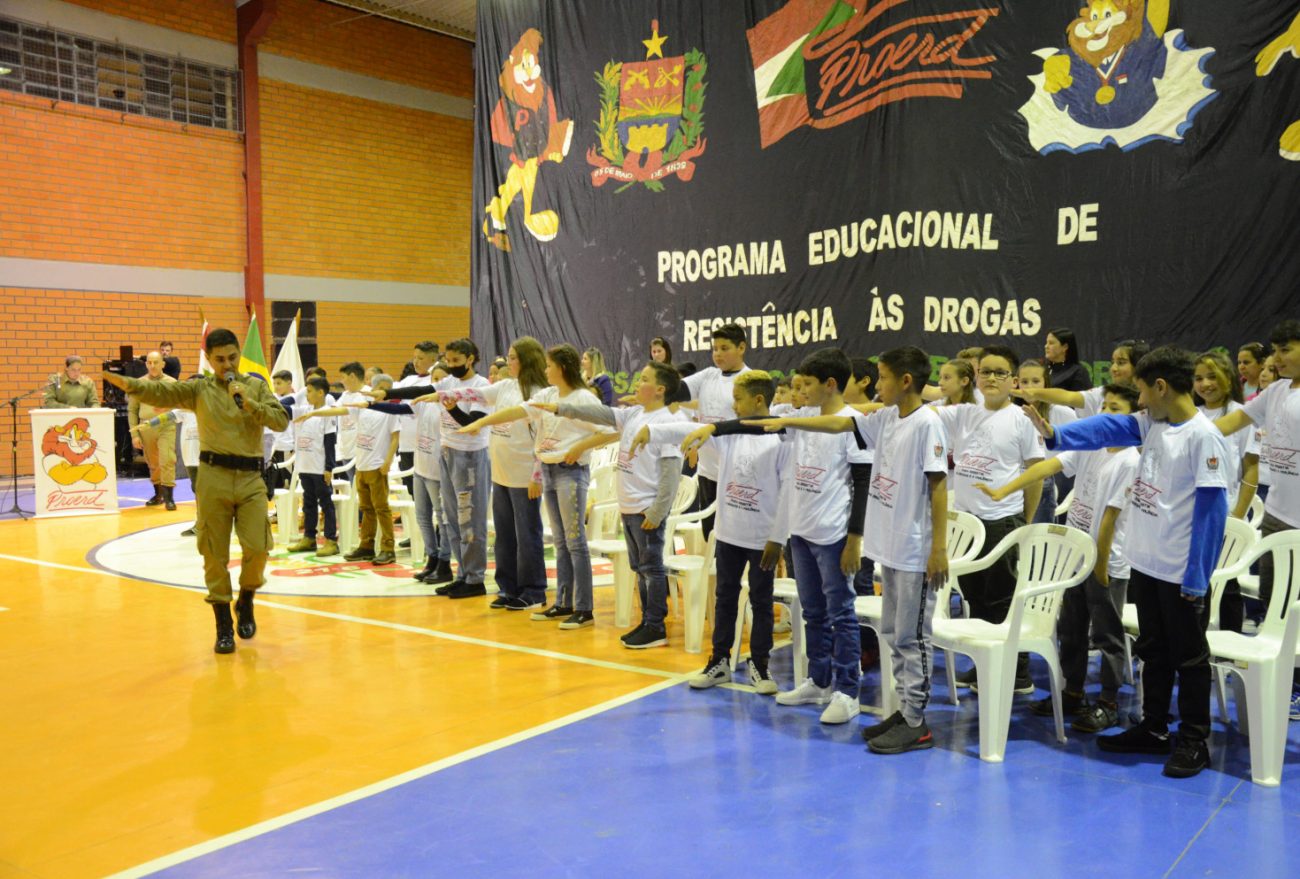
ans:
(228, 378)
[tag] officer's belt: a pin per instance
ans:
(230, 462)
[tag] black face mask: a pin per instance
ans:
(458, 371)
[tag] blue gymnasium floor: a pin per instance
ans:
(726, 783)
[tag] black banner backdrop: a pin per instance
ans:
(882, 172)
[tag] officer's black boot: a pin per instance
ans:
(244, 610)
(157, 496)
(225, 629)
(168, 500)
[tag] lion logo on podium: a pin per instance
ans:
(69, 454)
(525, 121)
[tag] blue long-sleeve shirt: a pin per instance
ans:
(1179, 500)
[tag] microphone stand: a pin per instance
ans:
(13, 410)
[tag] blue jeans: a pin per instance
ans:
(1046, 512)
(428, 500)
(830, 624)
(519, 554)
(317, 500)
(466, 477)
(732, 561)
(645, 555)
(564, 489)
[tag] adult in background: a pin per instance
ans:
(171, 364)
(1062, 354)
(231, 416)
(157, 441)
(594, 373)
(71, 389)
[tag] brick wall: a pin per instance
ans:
(205, 18)
(355, 188)
(90, 185)
(382, 336)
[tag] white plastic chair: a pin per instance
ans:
(344, 497)
(1255, 513)
(1263, 663)
(1239, 538)
(286, 503)
(1053, 558)
(1064, 506)
(691, 573)
(784, 589)
(965, 539)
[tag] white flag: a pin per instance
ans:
(289, 359)
(205, 368)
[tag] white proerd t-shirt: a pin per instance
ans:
(1176, 460)
(752, 468)
(428, 440)
(464, 442)
(1240, 444)
(1102, 479)
(510, 445)
(189, 423)
(347, 438)
(899, 533)
(1277, 411)
(713, 389)
(816, 500)
(407, 422)
(309, 441)
(374, 432)
(553, 435)
(992, 447)
(638, 478)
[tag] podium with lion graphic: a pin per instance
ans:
(73, 462)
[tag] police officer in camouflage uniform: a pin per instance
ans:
(231, 416)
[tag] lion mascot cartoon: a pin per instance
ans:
(525, 121)
(1106, 79)
(70, 454)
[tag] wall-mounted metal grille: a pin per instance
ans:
(63, 66)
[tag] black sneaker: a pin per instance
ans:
(717, 671)
(500, 602)
(551, 614)
(579, 619)
(1072, 705)
(467, 590)
(966, 680)
(877, 730)
(446, 590)
(902, 738)
(1188, 759)
(1096, 717)
(360, 554)
(521, 603)
(1139, 739)
(626, 636)
(646, 637)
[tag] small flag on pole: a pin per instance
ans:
(289, 357)
(253, 360)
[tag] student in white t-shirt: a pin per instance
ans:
(423, 356)
(1276, 410)
(992, 443)
(519, 551)
(355, 390)
(751, 468)
(1035, 374)
(647, 485)
(466, 468)
(711, 398)
(821, 512)
(377, 440)
(1173, 532)
(560, 455)
(314, 444)
(1123, 362)
(281, 440)
(427, 476)
(1102, 481)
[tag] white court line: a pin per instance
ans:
(382, 624)
(255, 830)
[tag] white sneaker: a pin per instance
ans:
(842, 709)
(806, 693)
(718, 672)
(761, 680)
